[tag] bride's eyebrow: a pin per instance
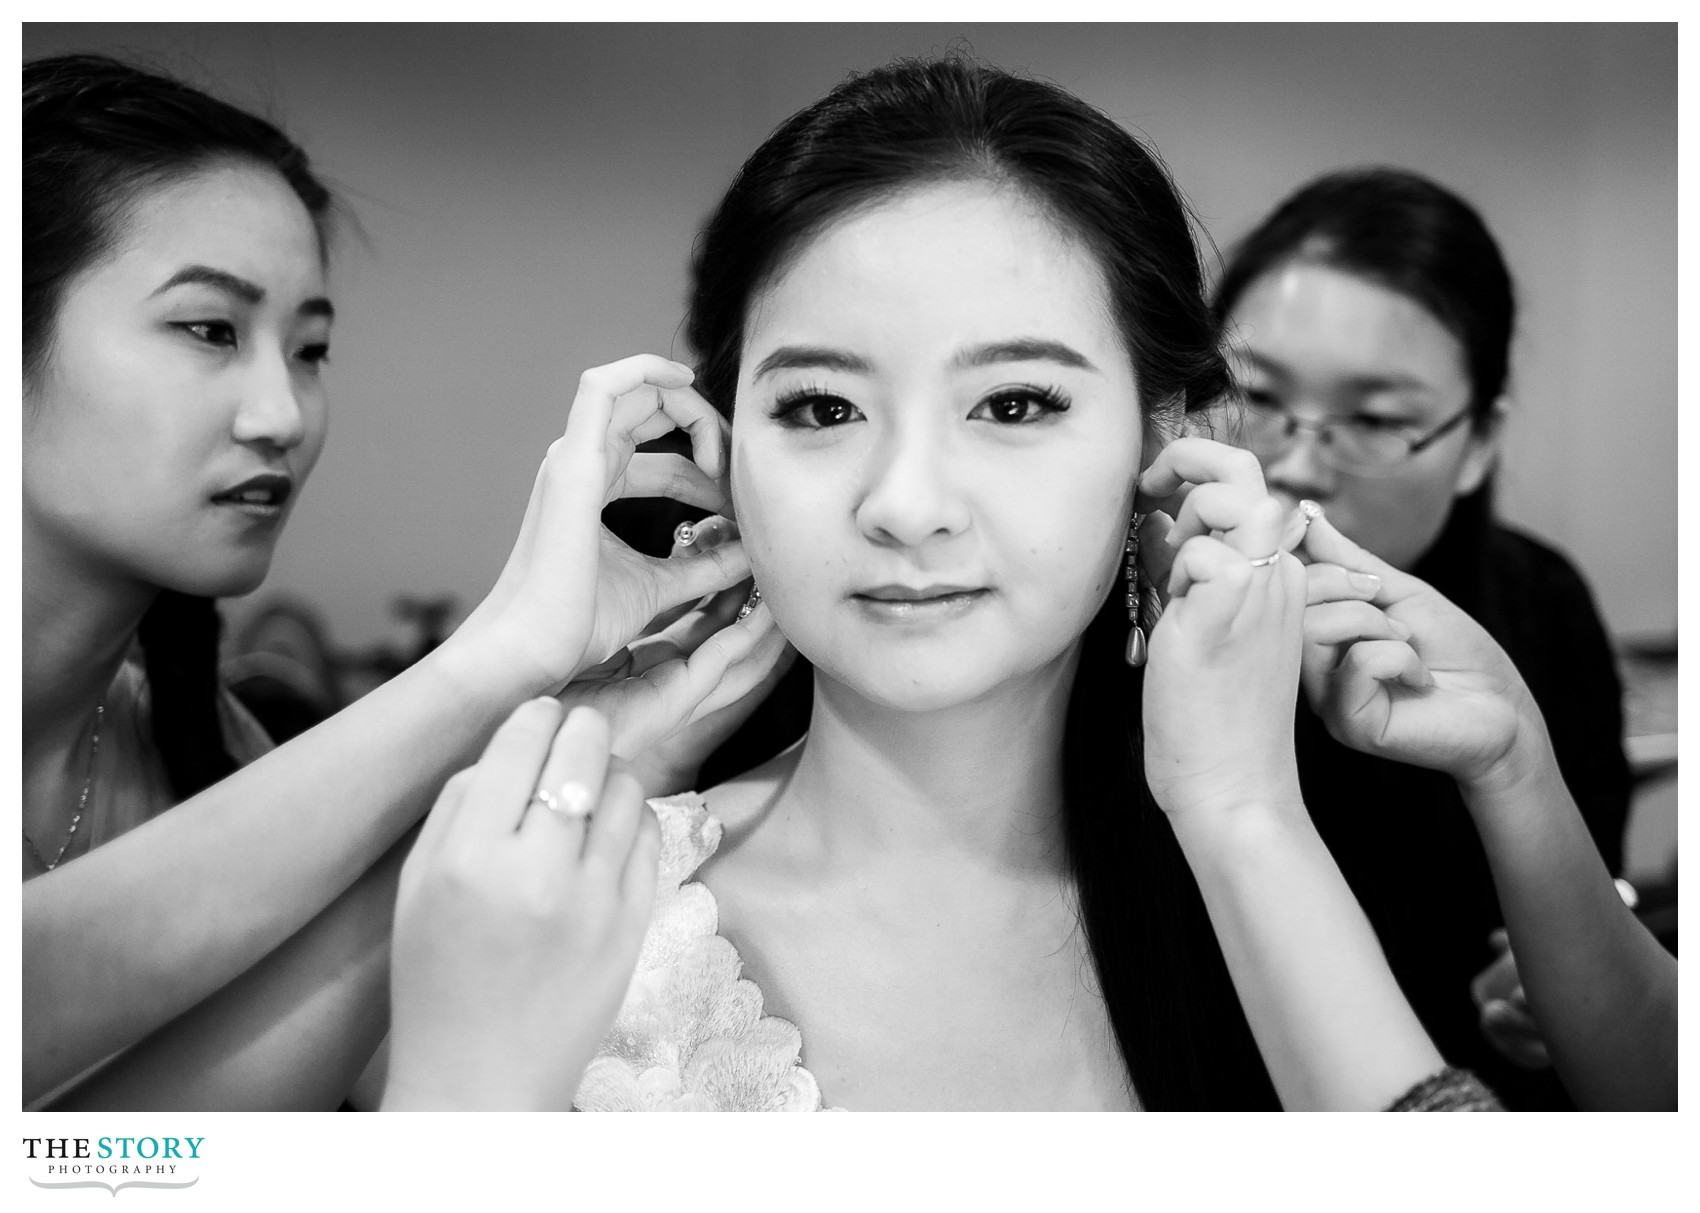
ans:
(812, 357)
(1024, 349)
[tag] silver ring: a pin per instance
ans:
(571, 802)
(1263, 562)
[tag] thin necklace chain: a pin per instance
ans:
(82, 801)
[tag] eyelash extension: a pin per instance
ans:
(792, 401)
(1051, 400)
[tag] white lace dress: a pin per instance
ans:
(691, 1036)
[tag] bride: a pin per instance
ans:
(952, 314)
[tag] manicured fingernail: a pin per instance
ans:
(1364, 583)
(684, 369)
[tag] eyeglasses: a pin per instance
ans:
(1348, 444)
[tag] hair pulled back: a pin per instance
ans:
(1409, 234)
(97, 134)
(915, 123)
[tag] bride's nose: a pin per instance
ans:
(911, 491)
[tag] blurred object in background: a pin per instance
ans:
(1648, 667)
(427, 619)
(1649, 705)
(287, 672)
(283, 669)
(429, 616)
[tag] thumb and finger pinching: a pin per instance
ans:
(1323, 541)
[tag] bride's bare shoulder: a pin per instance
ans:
(741, 803)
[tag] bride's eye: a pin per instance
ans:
(813, 409)
(1020, 406)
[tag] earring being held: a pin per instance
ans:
(750, 603)
(1144, 607)
(1135, 598)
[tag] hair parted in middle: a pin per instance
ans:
(918, 122)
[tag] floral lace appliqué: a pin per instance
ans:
(690, 1035)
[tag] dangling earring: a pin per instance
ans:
(1135, 595)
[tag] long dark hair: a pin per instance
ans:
(97, 134)
(1413, 236)
(913, 122)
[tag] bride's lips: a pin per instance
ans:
(907, 602)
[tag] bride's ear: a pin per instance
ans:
(726, 481)
(1162, 426)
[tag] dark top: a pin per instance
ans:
(1402, 835)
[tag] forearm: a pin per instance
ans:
(124, 939)
(1333, 1027)
(1597, 982)
(291, 1034)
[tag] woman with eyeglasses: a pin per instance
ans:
(1370, 319)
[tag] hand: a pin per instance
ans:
(1444, 696)
(572, 594)
(1505, 1017)
(673, 696)
(518, 927)
(1223, 671)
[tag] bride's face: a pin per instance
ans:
(936, 442)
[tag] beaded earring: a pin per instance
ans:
(1135, 596)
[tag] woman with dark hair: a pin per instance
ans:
(952, 314)
(86, 159)
(1370, 316)
(176, 320)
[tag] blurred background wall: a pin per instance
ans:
(529, 196)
